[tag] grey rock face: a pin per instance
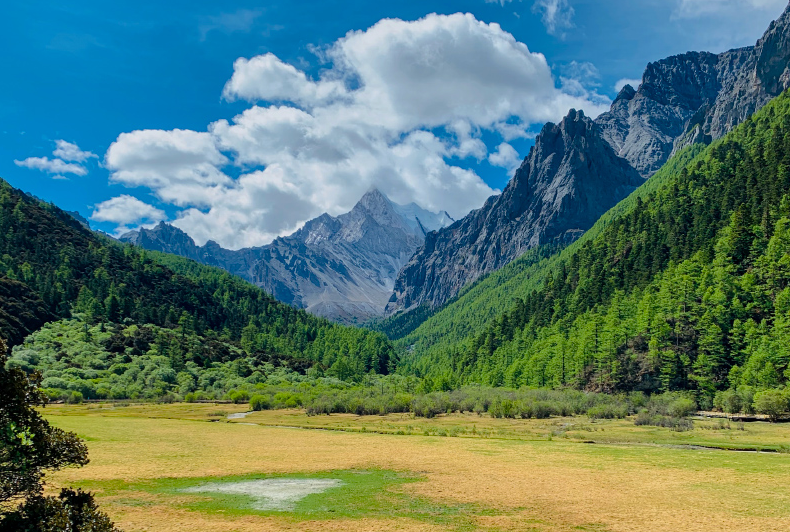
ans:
(570, 178)
(696, 97)
(578, 170)
(342, 268)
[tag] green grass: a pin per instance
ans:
(363, 494)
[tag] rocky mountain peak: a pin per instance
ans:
(771, 52)
(569, 179)
(627, 93)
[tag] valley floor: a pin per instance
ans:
(455, 472)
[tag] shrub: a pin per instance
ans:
(674, 423)
(728, 401)
(746, 395)
(682, 407)
(429, 405)
(260, 402)
(772, 403)
(73, 511)
(607, 411)
(73, 397)
(239, 396)
(543, 410)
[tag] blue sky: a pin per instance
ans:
(326, 115)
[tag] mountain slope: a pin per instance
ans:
(685, 99)
(51, 264)
(685, 287)
(342, 268)
(569, 179)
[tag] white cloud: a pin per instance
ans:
(182, 166)
(265, 77)
(698, 8)
(64, 151)
(69, 151)
(505, 156)
(397, 104)
(556, 15)
(125, 210)
(635, 83)
(52, 166)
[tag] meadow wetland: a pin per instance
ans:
(178, 467)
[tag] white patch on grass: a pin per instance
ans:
(271, 493)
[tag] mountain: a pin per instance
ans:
(342, 268)
(696, 97)
(569, 179)
(563, 187)
(685, 285)
(53, 266)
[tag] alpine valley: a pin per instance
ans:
(392, 368)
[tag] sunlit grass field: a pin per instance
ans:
(455, 472)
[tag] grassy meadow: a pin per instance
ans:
(453, 472)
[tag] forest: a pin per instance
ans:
(687, 289)
(52, 266)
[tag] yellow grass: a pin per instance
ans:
(527, 482)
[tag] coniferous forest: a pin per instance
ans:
(685, 290)
(54, 268)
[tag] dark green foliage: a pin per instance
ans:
(113, 361)
(685, 286)
(402, 323)
(772, 403)
(71, 511)
(50, 265)
(29, 446)
(21, 311)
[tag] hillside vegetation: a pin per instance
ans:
(422, 330)
(683, 287)
(51, 266)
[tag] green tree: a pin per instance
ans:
(30, 446)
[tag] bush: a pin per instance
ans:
(429, 405)
(682, 407)
(772, 403)
(260, 402)
(73, 397)
(72, 511)
(674, 423)
(239, 396)
(607, 411)
(728, 401)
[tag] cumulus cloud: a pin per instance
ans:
(265, 77)
(398, 104)
(698, 8)
(52, 166)
(556, 15)
(505, 156)
(125, 210)
(59, 167)
(182, 166)
(635, 83)
(69, 151)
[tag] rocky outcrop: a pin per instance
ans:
(696, 97)
(342, 268)
(578, 170)
(570, 178)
